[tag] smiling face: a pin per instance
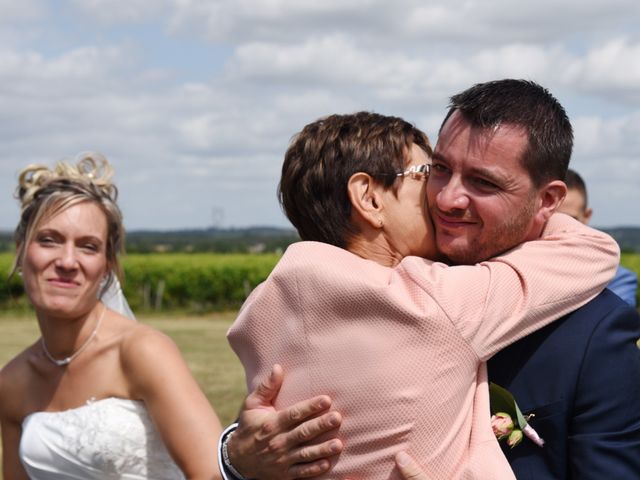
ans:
(66, 261)
(482, 200)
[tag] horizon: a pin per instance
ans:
(281, 228)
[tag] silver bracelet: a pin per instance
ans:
(225, 458)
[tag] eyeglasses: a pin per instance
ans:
(417, 172)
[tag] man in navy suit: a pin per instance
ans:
(588, 401)
(579, 376)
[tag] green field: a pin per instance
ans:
(201, 339)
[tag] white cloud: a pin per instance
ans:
(396, 23)
(12, 11)
(335, 63)
(614, 65)
(115, 11)
(238, 20)
(606, 154)
(15, 16)
(599, 138)
(83, 62)
(216, 140)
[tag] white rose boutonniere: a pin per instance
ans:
(507, 420)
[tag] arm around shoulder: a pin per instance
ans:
(569, 261)
(524, 289)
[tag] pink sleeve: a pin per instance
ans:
(499, 301)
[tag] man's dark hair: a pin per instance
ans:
(528, 105)
(325, 154)
(575, 182)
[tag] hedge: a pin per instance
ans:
(182, 281)
(192, 282)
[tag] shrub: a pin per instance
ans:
(192, 282)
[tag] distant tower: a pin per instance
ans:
(217, 217)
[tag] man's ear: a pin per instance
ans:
(551, 197)
(366, 199)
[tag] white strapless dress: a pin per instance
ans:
(105, 439)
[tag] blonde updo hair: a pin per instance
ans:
(45, 192)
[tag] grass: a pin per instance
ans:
(214, 365)
(201, 340)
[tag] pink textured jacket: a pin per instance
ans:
(401, 350)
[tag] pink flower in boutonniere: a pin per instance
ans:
(508, 421)
(502, 425)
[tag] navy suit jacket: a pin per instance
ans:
(580, 376)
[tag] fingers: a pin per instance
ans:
(293, 445)
(309, 460)
(315, 427)
(289, 419)
(310, 469)
(409, 469)
(314, 459)
(301, 411)
(267, 390)
(300, 423)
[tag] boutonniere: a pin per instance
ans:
(507, 420)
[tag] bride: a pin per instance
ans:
(97, 395)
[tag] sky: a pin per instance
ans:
(195, 101)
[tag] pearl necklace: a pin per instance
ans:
(67, 360)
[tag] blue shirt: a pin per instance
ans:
(625, 285)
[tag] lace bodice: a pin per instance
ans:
(105, 439)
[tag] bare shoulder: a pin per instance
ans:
(144, 348)
(143, 340)
(17, 371)
(15, 378)
(134, 339)
(152, 363)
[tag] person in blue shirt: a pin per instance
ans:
(625, 283)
